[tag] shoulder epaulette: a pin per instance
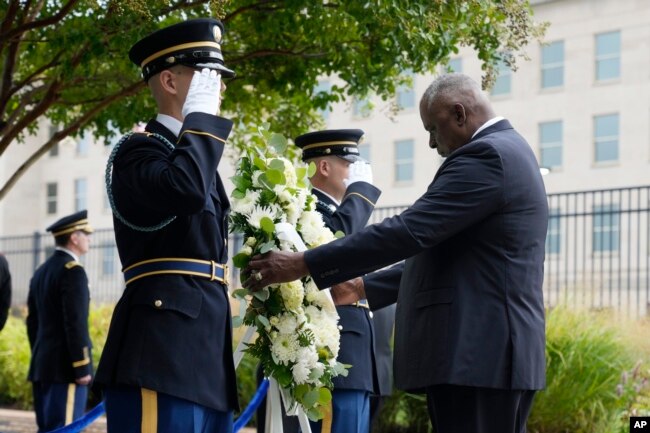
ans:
(71, 264)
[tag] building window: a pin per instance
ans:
(80, 194)
(503, 82)
(361, 107)
(324, 87)
(83, 145)
(364, 151)
(606, 228)
(553, 65)
(550, 144)
(404, 160)
(406, 93)
(455, 65)
(109, 260)
(608, 56)
(51, 192)
(606, 138)
(553, 235)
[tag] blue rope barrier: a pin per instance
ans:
(252, 406)
(90, 417)
(83, 422)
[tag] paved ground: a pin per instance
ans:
(19, 421)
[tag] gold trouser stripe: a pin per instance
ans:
(356, 193)
(149, 411)
(191, 131)
(326, 424)
(69, 405)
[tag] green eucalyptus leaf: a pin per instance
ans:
(279, 143)
(311, 169)
(268, 246)
(262, 295)
(267, 225)
(339, 234)
(240, 293)
(276, 177)
(237, 321)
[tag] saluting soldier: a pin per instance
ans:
(57, 325)
(167, 365)
(346, 198)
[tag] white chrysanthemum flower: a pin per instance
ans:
(245, 205)
(291, 212)
(325, 236)
(259, 212)
(307, 360)
(285, 196)
(279, 189)
(284, 348)
(290, 174)
(287, 323)
(292, 294)
(311, 225)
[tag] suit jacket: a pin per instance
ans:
(57, 322)
(5, 291)
(470, 307)
(172, 333)
(356, 344)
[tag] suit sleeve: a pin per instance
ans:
(355, 209)
(5, 291)
(467, 188)
(179, 182)
(75, 299)
(382, 286)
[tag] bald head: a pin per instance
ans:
(452, 108)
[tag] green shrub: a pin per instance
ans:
(592, 376)
(15, 391)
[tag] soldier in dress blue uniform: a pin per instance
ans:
(346, 198)
(167, 365)
(57, 325)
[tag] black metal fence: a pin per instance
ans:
(597, 252)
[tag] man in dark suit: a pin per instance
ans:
(57, 325)
(5, 291)
(167, 365)
(469, 326)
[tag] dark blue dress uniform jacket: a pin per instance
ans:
(57, 323)
(356, 341)
(470, 307)
(172, 333)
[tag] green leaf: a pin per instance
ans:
(339, 234)
(240, 293)
(277, 164)
(241, 182)
(267, 246)
(262, 295)
(311, 169)
(264, 180)
(264, 321)
(238, 194)
(324, 396)
(310, 398)
(259, 163)
(237, 321)
(241, 260)
(276, 177)
(301, 172)
(267, 225)
(279, 143)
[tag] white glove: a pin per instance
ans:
(204, 94)
(359, 171)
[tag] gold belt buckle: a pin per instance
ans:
(226, 275)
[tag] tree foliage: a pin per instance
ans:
(66, 61)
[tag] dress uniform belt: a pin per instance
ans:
(209, 269)
(363, 303)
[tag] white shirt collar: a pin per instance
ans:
(171, 123)
(67, 251)
(338, 203)
(487, 124)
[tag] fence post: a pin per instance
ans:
(36, 249)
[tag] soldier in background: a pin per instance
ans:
(57, 325)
